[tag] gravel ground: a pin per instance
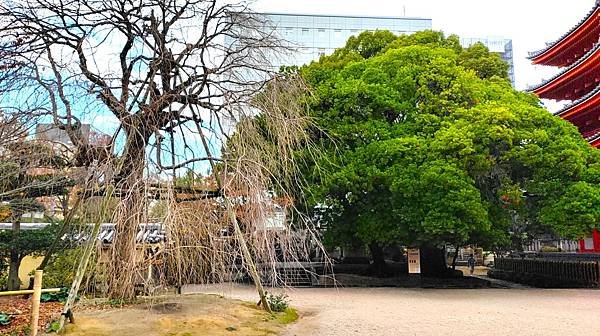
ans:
(395, 311)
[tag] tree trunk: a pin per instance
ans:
(131, 212)
(433, 262)
(378, 265)
(14, 283)
(455, 257)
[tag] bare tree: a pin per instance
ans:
(177, 76)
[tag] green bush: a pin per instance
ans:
(278, 303)
(56, 297)
(61, 269)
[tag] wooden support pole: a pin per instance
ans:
(81, 268)
(35, 302)
(248, 257)
(237, 230)
(28, 291)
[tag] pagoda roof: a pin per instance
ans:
(594, 140)
(548, 88)
(585, 114)
(564, 43)
(573, 108)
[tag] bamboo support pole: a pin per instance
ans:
(248, 258)
(237, 231)
(81, 268)
(35, 302)
(28, 291)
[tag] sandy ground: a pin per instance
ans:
(395, 311)
(188, 315)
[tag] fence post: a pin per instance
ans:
(35, 302)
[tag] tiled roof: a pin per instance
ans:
(594, 137)
(590, 94)
(567, 69)
(147, 233)
(534, 54)
(150, 233)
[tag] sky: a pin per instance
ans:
(529, 23)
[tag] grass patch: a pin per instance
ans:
(289, 315)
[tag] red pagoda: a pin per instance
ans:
(578, 54)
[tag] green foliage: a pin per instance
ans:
(56, 297)
(427, 144)
(28, 241)
(486, 65)
(5, 319)
(61, 268)
(278, 303)
(53, 327)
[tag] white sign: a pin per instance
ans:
(414, 261)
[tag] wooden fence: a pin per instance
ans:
(557, 272)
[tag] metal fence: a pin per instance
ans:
(584, 273)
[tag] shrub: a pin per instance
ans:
(60, 272)
(56, 297)
(278, 303)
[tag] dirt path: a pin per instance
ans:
(392, 311)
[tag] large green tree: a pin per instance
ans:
(426, 143)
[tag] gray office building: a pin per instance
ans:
(316, 35)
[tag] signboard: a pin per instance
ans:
(414, 261)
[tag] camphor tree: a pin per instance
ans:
(175, 76)
(428, 144)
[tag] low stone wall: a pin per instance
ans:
(546, 273)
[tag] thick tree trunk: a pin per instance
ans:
(378, 265)
(131, 212)
(433, 262)
(14, 283)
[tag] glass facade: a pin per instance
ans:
(316, 35)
